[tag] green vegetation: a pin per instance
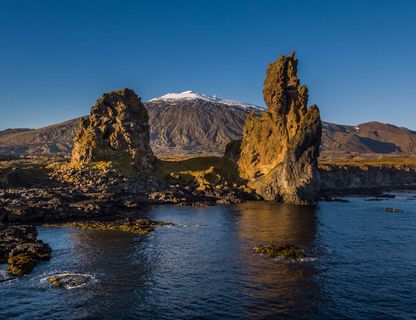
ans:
(139, 226)
(23, 173)
(203, 170)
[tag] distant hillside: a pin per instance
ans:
(367, 138)
(51, 140)
(190, 123)
(180, 124)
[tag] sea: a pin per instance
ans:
(360, 264)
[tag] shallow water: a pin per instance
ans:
(362, 265)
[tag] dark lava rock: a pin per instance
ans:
(134, 225)
(20, 248)
(69, 281)
(21, 264)
(387, 196)
(329, 199)
(286, 251)
(233, 150)
(396, 210)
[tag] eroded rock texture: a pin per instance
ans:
(117, 130)
(280, 148)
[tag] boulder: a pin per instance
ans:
(20, 264)
(280, 147)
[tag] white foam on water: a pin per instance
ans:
(5, 277)
(187, 225)
(89, 279)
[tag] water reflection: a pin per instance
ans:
(122, 266)
(282, 287)
(204, 267)
(267, 222)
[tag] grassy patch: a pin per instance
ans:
(203, 170)
(23, 173)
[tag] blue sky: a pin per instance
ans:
(58, 57)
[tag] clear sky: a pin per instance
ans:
(58, 57)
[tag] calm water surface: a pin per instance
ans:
(362, 266)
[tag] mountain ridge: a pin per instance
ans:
(189, 123)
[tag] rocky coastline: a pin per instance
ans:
(20, 248)
(113, 173)
(342, 179)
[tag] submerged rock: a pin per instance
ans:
(134, 225)
(395, 210)
(68, 280)
(286, 251)
(280, 148)
(116, 130)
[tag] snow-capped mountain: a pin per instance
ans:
(189, 122)
(191, 95)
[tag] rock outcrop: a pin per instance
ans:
(280, 148)
(353, 179)
(117, 130)
(20, 248)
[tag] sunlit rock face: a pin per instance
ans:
(116, 130)
(280, 148)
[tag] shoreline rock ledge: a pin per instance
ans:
(280, 148)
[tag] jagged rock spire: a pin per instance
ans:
(280, 148)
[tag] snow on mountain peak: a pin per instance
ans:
(190, 95)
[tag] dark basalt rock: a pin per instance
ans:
(21, 264)
(233, 150)
(20, 249)
(394, 210)
(286, 251)
(68, 280)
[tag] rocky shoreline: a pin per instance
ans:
(113, 170)
(365, 179)
(20, 248)
(107, 205)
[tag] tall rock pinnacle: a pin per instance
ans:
(280, 148)
(116, 130)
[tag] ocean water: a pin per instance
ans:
(361, 265)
